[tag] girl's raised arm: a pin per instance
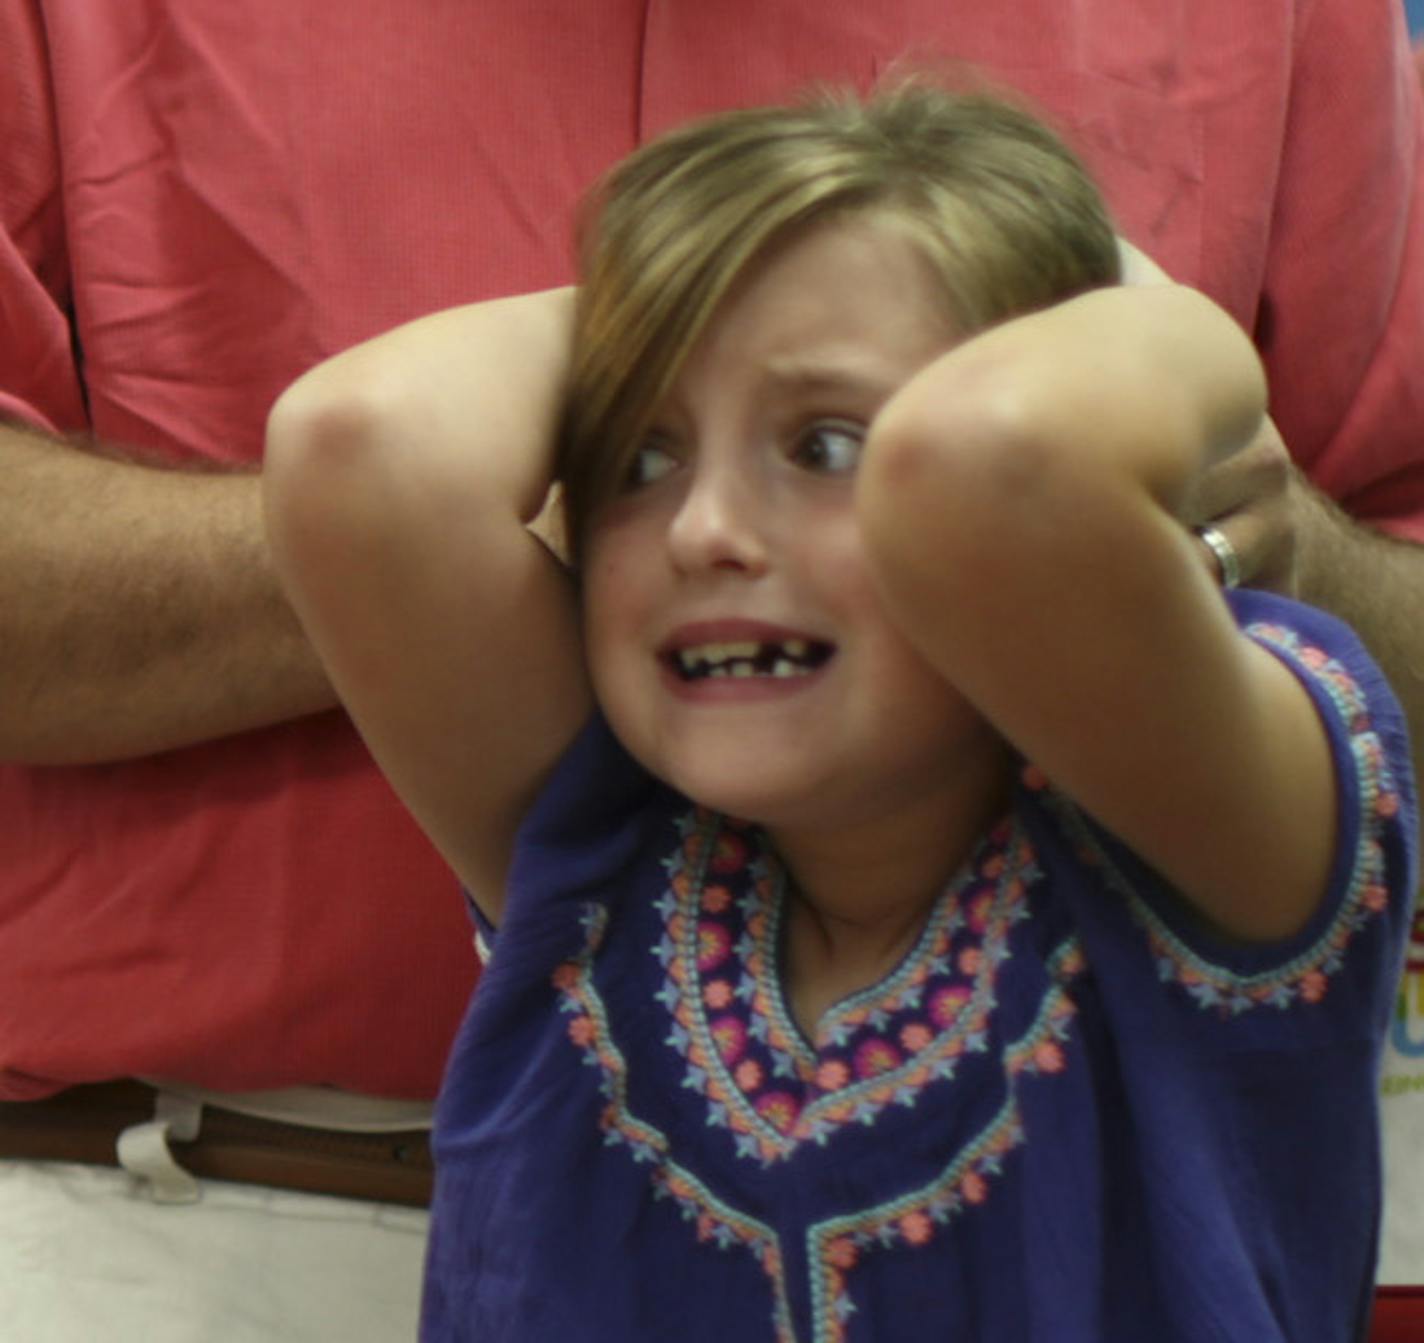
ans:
(401, 477)
(1019, 502)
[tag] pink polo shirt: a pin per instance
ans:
(199, 200)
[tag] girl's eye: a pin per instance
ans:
(651, 462)
(830, 448)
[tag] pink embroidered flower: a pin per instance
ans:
(1312, 986)
(714, 945)
(581, 1031)
(1313, 658)
(1387, 804)
(970, 959)
(779, 1109)
(977, 915)
(841, 1253)
(566, 976)
(718, 994)
(749, 1075)
(729, 853)
(716, 899)
(916, 1228)
(875, 1057)
(916, 1036)
(730, 1036)
(974, 1187)
(832, 1075)
(946, 1004)
(1374, 897)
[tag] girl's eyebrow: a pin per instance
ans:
(829, 374)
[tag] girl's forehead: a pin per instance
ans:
(837, 302)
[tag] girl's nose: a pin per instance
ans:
(720, 524)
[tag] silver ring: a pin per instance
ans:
(1215, 541)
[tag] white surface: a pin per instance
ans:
(85, 1255)
(1402, 1107)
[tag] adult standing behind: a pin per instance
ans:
(201, 876)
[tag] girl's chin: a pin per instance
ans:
(749, 794)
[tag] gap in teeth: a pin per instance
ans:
(746, 657)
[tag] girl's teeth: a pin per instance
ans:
(783, 668)
(795, 648)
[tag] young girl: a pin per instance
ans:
(921, 905)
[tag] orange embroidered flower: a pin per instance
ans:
(841, 1253)
(566, 976)
(970, 959)
(748, 1074)
(716, 899)
(1313, 985)
(916, 1228)
(718, 994)
(974, 1187)
(1048, 1056)
(581, 1031)
(916, 1036)
(832, 1075)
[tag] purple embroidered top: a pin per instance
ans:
(1069, 1115)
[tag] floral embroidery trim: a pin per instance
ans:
(721, 1225)
(1305, 977)
(880, 1047)
(836, 1246)
(716, 1222)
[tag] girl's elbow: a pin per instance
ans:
(936, 474)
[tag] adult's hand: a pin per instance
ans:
(1250, 497)
(1253, 499)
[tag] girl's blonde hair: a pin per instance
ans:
(1005, 214)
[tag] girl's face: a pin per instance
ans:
(735, 637)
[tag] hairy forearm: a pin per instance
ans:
(1372, 581)
(138, 609)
